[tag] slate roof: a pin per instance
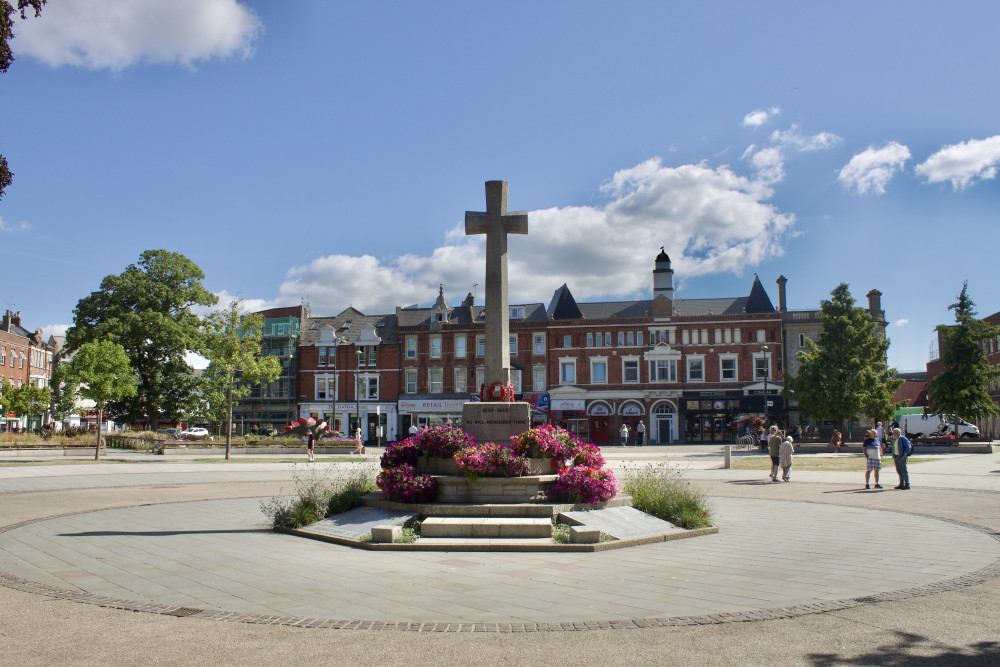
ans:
(465, 314)
(759, 301)
(565, 307)
(348, 326)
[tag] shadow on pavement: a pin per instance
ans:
(161, 533)
(900, 653)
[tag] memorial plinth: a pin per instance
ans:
(489, 421)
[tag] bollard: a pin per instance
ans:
(728, 461)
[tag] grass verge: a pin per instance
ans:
(75, 462)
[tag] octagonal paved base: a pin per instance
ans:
(217, 559)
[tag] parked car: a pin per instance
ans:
(196, 433)
(171, 433)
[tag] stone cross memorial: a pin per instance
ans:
(496, 420)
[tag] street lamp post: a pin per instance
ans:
(767, 371)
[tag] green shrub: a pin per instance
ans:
(348, 492)
(664, 493)
(318, 494)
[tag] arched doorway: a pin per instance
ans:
(599, 414)
(664, 423)
(631, 412)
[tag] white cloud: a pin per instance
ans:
(873, 168)
(116, 34)
(963, 163)
(769, 164)
(54, 330)
(711, 220)
(760, 116)
(902, 322)
(22, 226)
(793, 138)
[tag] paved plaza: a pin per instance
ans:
(170, 561)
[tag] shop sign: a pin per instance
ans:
(430, 405)
(568, 404)
(599, 410)
(631, 410)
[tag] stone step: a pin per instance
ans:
(494, 544)
(486, 527)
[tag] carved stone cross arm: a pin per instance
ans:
(496, 223)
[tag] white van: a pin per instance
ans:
(926, 426)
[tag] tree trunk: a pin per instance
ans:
(100, 419)
(229, 416)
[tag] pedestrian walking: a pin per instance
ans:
(640, 433)
(880, 436)
(873, 456)
(623, 434)
(310, 450)
(785, 458)
(358, 447)
(413, 429)
(901, 450)
(774, 451)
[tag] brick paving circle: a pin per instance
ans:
(216, 560)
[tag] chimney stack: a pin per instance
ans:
(781, 293)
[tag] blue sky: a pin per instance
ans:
(328, 151)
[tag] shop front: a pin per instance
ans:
(599, 422)
(712, 416)
(430, 410)
(377, 420)
(570, 414)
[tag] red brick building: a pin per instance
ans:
(691, 369)
(349, 373)
(25, 358)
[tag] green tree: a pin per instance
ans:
(64, 392)
(845, 373)
(101, 370)
(28, 400)
(7, 57)
(235, 363)
(147, 310)
(962, 388)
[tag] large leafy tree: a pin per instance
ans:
(844, 374)
(7, 11)
(101, 371)
(147, 310)
(233, 349)
(962, 388)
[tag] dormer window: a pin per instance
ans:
(439, 317)
(517, 312)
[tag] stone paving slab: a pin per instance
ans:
(219, 558)
(622, 522)
(359, 521)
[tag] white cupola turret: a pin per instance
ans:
(663, 276)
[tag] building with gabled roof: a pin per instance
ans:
(349, 373)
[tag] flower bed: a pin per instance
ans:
(491, 460)
(402, 484)
(448, 451)
(583, 484)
